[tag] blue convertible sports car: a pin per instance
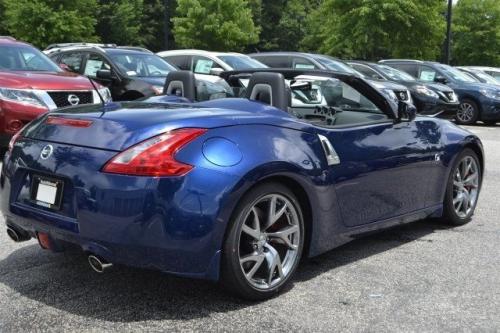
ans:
(235, 189)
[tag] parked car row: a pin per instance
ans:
(122, 73)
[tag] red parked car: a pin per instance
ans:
(31, 84)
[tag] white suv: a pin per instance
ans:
(209, 63)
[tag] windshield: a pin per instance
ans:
(239, 62)
(486, 78)
(455, 74)
(338, 66)
(25, 58)
(141, 64)
(395, 74)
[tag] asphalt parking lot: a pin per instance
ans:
(418, 277)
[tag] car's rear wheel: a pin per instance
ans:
(264, 242)
(462, 189)
(468, 112)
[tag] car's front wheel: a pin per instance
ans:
(462, 189)
(468, 112)
(264, 242)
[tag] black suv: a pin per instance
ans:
(430, 98)
(129, 72)
(478, 101)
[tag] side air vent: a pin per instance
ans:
(331, 155)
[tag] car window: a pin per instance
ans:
(394, 74)
(140, 64)
(367, 71)
(427, 73)
(455, 74)
(411, 69)
(495, 74)
(275, 61)
(94, 63)
(331, 102)
(25, 58)
(182, 62)
(203, 65)
(73, 60)
(302, 63)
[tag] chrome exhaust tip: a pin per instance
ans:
(97, 264)
(17, 236)
(14, 235)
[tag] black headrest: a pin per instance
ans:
(181, 83)
(269, 88)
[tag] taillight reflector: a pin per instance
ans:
(155, 157)
(51, 120)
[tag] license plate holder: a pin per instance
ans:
(47, 192)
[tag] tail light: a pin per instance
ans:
(52, 120)
(155, 157)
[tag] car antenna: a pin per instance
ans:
(97, 90)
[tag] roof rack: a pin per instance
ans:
(409, 60)
(62, 45)
(134, 48)
(7, 37)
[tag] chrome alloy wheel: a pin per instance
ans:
(269, 241)
(465, 112)
(465, 186)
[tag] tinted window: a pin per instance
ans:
(25, 58)
(395, 74)
(275, 61)
(455, 74)
(73, 60)
(182, 62)
(427, 74)
(203, 65)
(302, 63)
(496, 75)
(367, 71)
(94, 63)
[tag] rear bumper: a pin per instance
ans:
(160, 224)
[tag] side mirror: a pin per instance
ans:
(406, 111)
(216, 71)
(104, 74)
(440, 79)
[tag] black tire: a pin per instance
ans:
(232, 276)
(463, 117)
(450, 216)
(490, 122)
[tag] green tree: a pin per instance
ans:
(3, 29)
(374, 29)
(119, 22)
(476, 33)
(220, 25)
(43, 22)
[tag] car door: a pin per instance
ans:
(383, 167)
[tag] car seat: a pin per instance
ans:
(181, 83)
(269, 88)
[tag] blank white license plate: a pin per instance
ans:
(47, 192)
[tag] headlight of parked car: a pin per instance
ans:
(491, 93)
(105, 94)
(422, 90)
(21, 96)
